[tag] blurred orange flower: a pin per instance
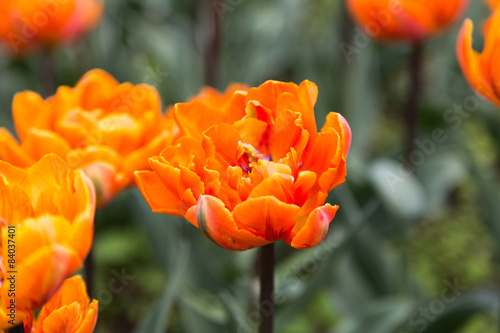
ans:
(69, 310)
(47, 222)
(106, 128)
(405, 20)
(482, 70)
(493, 3)
(27, 24)
(251, 168)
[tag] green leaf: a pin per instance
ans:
(380, 316)
(459, 312)
(205, 304)
(441, 173)
(489, 198)
(157, 320)
(401, 191)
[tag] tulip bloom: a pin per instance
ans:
(482, 70)
(27, 24)
(251, 168)
(47, 223)
(105, 128)
(69, 310)
(405, 20)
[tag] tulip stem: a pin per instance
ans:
(266, 305)
(16, 329)
(89, 272)
(212, 44)
(413, 97)
(47, 73)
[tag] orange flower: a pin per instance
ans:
(67, 311)
(46, 216)
(26, 24)
(493, 3)
(482, 70)
(106, 128)
(251, 168)
(405, 20)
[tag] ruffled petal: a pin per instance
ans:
(12, 152)
(216, 223)
(470, 62)
(30, 111)
(267, 217)
(315, 228)
(161, 198)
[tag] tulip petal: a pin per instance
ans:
(285, 132)
(267, 217)
(324, 154)
(78, 158)
(216, 223)
(39, 143)
(302, 187)
(70, 302)
(62, 319)
(41, 274)
(30, 111)
(341, 126)
(95, 86)
(315, 228)
(90, 320)
(333, 177)
(159, 197)
(267, 93)
(308, 94)
(470, 62)
(12, 152)
(278, 185)
(195, 117)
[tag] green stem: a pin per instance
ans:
(266, 307)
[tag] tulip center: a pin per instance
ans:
(252, 156)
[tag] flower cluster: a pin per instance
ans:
(106, 128)
(47, 223)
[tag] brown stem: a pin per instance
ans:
(212, 45)
(89, 267)
(16, 329)
(266, 305)
(47, 73)
(89, 273)
(413, 97)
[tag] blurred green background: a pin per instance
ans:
(407, 252)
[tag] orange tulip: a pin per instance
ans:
(47, 221)
(105, 128)
(251, 168)
(405, 20)
(69, 310)
(482, 70)
(493, 3)
(27, 24)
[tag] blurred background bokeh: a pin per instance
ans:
(409, 251)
